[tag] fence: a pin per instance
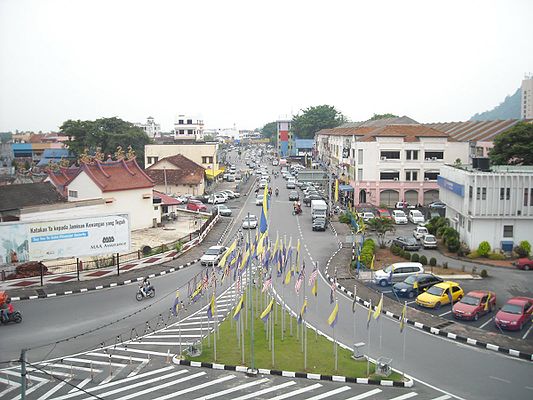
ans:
(112, 260)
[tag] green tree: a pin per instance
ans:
(382, 116)
(381, 226)
(106, 134)
(269, 130)
(315, 118)
(514, 146)
(5, 137)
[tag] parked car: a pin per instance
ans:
(293, 195)
(437, 295)
(437, 204)
(403, 204)
(406, 243)
(515, 313)
(399, 217)
(262, 183)
(196, 205)
(259, 200)
(221, 209)
(367, 216)
(416, 217)
(420, 231)
(311, 197)
(413, 285)
(216, 199)
(524, 263)
(397, 272)
(213, 255)
(228, 193)
(474, 304)
(429, 242)
(275, 162)
(249, 222)
(383, 213)
(319, 224)
(290, 185)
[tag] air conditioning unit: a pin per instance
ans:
(384, 158)
(427, 159)
(434, 158)
(426, 179)
(395, 179)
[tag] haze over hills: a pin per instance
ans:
(508, 109)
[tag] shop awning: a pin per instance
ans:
(166, 200)
(209, 172)
(346, 188)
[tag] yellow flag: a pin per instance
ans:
(245, 258)
(227, 253)
(486, 308)
(314, 290)
(266, 312)
(288, 276)
(402, 318)
(336, 190)
(332, 320)
(372, 263)
(298, 256)
(377, 311)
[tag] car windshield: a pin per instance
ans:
(410, 279)
(222, 207)
(470, 300)
(260, 197)
(211, 252)
(388, 269)
(422, 230)
(384, 213)
(430, 238)
(417, 214)
(512, 309)
(435, 291)
(399, 214)
(250, 218)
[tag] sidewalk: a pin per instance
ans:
(427, 322)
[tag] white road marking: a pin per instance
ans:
(485, 323)
(191, 389)
(445, 397)
(31, 390)
(499, 379)
(365, 395)
(152, 353)
(143, 343)
(173, 336)
(81, 385)
(122, 381)
(53, 390)
(330, 393)
(86, 361)
(117, 356)
(387, 291)
(411, 302)
(138, 369)
(233, 389)
(267, 390)
(113, 375)
(446, 313)
(405, 396)
(297, 392)
(527, 332)
(6, 391)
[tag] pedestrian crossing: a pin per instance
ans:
(142, 368)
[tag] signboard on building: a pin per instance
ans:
(451, 186)
(73, 237)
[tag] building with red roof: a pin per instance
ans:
(177, 175)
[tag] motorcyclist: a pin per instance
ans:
(277, 192)
(146, 286)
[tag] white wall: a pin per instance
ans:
(85, 187)
(141, 209)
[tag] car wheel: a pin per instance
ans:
(476, 316)
(520, 326)
(437, 305)
(527, 267)
(383, 283)
(411, 294)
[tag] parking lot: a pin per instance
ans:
(504, 282)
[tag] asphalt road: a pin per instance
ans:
(461, 370)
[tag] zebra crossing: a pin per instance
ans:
(143, 368)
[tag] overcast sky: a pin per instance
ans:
(250, 62)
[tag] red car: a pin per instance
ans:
(196, 205)
(474, 304)
(524, 263)
(383, 213)
(515, 313)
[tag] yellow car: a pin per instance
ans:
(439, 294)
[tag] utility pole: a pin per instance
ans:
(252, 361)
(23, 374)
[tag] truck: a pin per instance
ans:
(319, 208)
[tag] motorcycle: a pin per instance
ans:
(297, 211)
(15, 316)
(277, 192)
(142, 295)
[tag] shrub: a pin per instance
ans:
(483, 249)
(445, 265)
(519, 252)
(496, 256)
(415, 257)
(345, 218)
(473, 255)
(407, 255)
(463, 250)
(525, 246)
(178, 246)
(423, 260)
(484, 273)
(401, 252)
(432, 261)
(453, 244)
(395, 249)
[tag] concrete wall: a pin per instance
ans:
(194, 152)
(85, 187)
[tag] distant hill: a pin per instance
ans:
(509, 109)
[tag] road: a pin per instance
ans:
(460, 370)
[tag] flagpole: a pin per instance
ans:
(335, 339)
(216, 323)
(242, 337)
(272, 337)
(304, 341)
(282, 311)
(381, 324)
(404, 334)
(368, 340)
(316, 300)
(179, 331)
(353, 311)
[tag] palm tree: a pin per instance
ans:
(381, 226)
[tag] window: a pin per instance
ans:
(360, 156)
(389, 176)
(483, 193)
(411, 175)
(502, 193)
(182, 131)
(152, 160)
(478, 193)
(434, 155)
(411, 154)
(390, 155)
(189, 131)
(470, 192)
(189, 122)
(180, 122)
(456, 289)
(430, 176)
(469, 225)
(508, 231)
(73, 193)
(526, 192)
(531, 197)
(508, 194)
(360, 174)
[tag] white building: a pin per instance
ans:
(188, 127)
(152, 129)
(526, 106)
(494, 205)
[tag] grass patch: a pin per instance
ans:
(288, 354)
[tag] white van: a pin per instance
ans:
(399, 271)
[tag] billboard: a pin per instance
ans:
(72, 237)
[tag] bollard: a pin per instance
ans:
(168, 356)
(130, 360)
(92, 372)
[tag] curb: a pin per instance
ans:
(439, 332)
(195, 242)
(292, 374)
